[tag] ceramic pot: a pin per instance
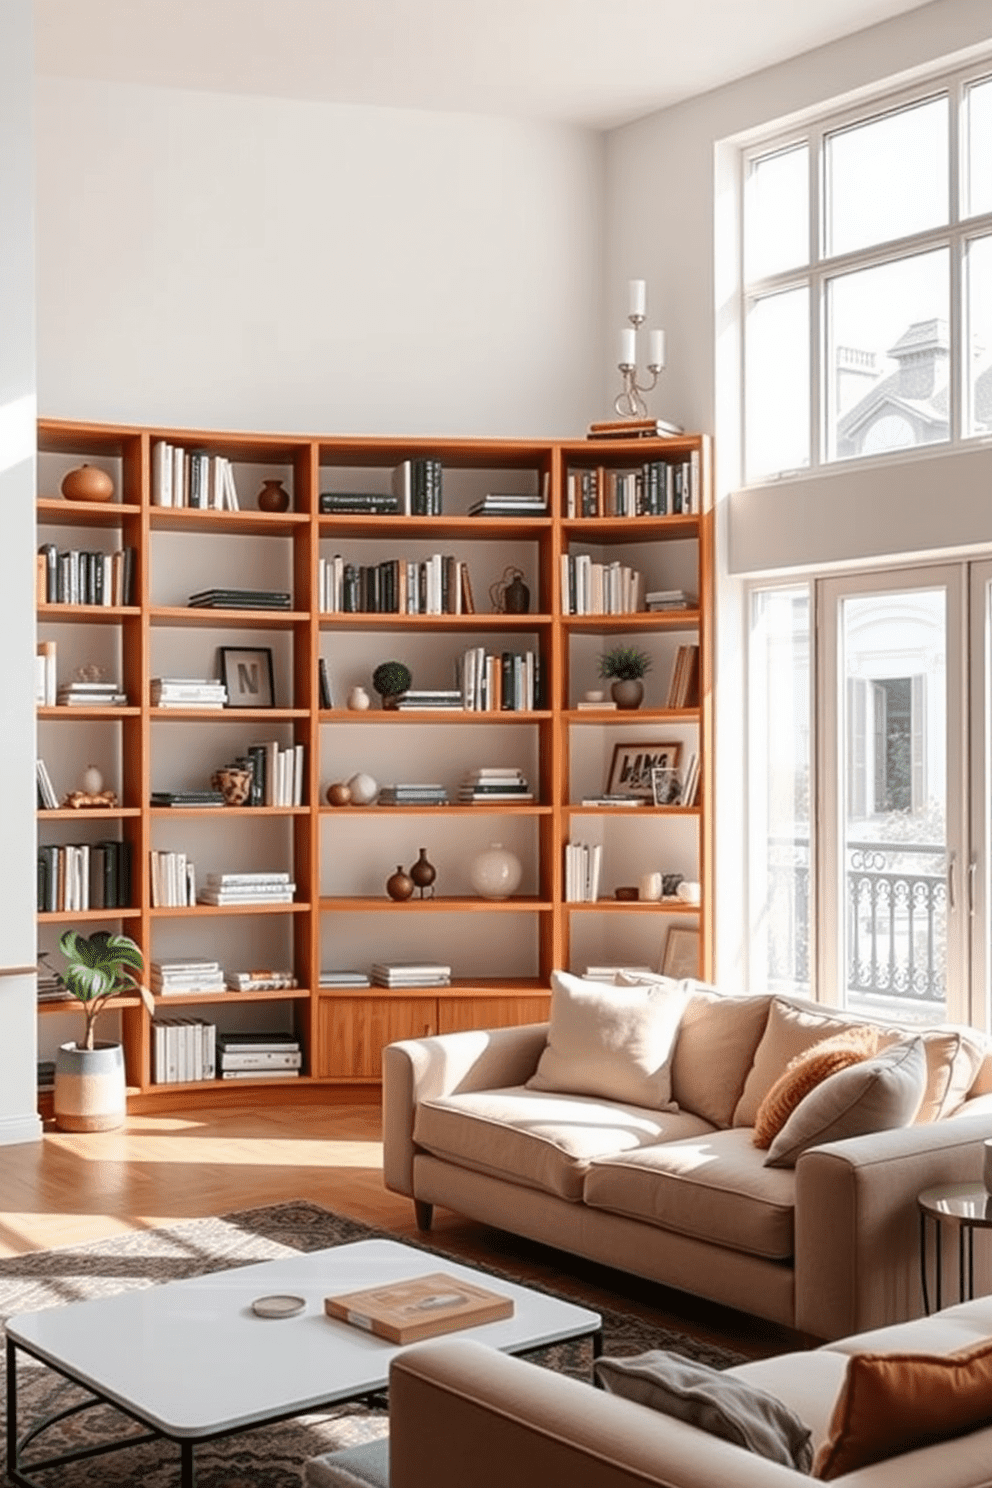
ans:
(273, 497)
(358, 699)
(495, 872)
(90, 1093)
(399, 885)
(423, 873)
(650, 887)
(363, 789)
(233, 783)
(516, 596)
(628, 692)
(339, 794)
(87, 483)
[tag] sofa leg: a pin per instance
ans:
(424, 1213)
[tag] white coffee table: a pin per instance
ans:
(191, 1361)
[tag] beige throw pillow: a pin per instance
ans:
(614, 1043)
(792, 1028)
(807, 1071)
(876, 1095)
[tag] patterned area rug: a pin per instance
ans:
(273, 1456)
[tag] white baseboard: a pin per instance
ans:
(14, 1129)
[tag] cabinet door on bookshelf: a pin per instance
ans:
(353, 1031)
(457, 1013)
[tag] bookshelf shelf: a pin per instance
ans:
(563, 751)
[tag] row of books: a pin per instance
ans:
(683, 689)
(183, 1050)
(182, 978)
(84, 875)
(278, 773)
(240, 599)
(509, 682)
(194, 478)
(247, 888)
(583, 862)
(690, 782)
(656, 488)
(188, 692)
(439, 585)
(173, 880)
(417, 486)
(47, 797)
(84, 577)
(591, 588)
(490, 784)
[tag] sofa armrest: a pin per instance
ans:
(858, 1227)
(423, 1069)
(462, 1413)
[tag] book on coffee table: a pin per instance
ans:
(422, 1307)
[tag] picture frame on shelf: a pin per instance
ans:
(666, 787)
(632, 767)
(248, 675)
(681, 956)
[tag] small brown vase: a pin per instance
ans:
(273, 497)
(399, 885)
(628, 692)
(423, 874)
(88, 483)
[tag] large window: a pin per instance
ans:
(867, 257)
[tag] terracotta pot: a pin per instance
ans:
(628, 692)
(87, 483)
(399, 885)
(273, 497)
(90, 1094)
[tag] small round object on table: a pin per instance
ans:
(88, 483)
(278, 1306)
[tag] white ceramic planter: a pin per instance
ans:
(496, 872)
(90, 1092)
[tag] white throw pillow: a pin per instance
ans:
(614, 1043)
(875, 1095)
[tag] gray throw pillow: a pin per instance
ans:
(712, 1401)
(875, 1095)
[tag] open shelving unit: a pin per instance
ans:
(502, 951)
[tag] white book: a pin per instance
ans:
(161, 473)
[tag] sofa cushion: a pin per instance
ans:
(954, 1057)
(893, 1403)
(875, 1095)
(614, 1043)
(711, 1401)
(807, 1071)
(791, 1029)
(714, 1049)
(542, 1140)
(713, 1187)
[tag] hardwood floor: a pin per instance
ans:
(68, 1189)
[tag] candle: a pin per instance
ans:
(637, 297)
(628, 347)
(656, 352)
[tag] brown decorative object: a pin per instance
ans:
(510, 595)
(629, 891)
(88, 483)
(339, 794)
(628, 692)
(273, 497)
(79, 800)
(233, 783)
(399, 885)
(423, 874)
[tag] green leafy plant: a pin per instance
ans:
(624, 664)
(391, 678)
(99, 967)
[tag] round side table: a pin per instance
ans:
(965, 1206)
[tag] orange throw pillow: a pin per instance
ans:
(893, 1403)
(808, 1070)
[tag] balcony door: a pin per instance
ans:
(895, 892)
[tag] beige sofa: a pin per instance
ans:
(683, 1197)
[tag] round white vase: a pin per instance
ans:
(363, 789)
(90, 1093)
(358, 699)
(495, 872)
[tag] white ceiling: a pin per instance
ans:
(592, 62)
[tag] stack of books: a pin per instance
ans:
(417, 487)
(410, 974)
(642, 428)
(187, 692)
(260, 980)
(413, 795)
(192, 478)
(239, 599)
(90, 695)
(344, 978)
(184, 1050)
(582, 867)
(179, 978)
(247, 888)
(683, 690)
(669, 599)
(510, 504)
(46, 1076)
(173, 880)
(442, 697)
(359, 503)
(494, 784)
(247, 1056)
(50, 989)
(607, 800)
(188, 798)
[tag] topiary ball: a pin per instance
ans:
(391, 678)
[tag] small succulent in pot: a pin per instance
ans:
(390, 679)
(624, 664)
(99, 967)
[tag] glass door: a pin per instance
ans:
(979, 896)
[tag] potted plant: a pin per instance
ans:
(390, 679)
(90, 1093)
(626, 666)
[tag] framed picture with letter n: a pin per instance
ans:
(632, 767)
(248, 676)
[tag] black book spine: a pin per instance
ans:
(507, 704)
(42, 881)
(256, 753)
(323, 684)
(127, 584)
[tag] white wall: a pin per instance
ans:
(236, 262)
(670, 218)
(18, 1102)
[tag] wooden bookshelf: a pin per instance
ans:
(340, 857)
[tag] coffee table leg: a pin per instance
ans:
(187, 1466)
(12, 1453)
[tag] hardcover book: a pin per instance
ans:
(423, 1307)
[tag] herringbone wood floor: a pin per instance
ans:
(69, 1188)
